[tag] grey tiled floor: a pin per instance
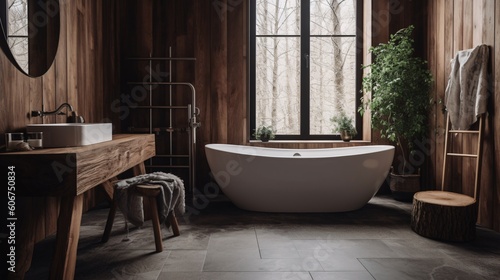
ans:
(223, 242)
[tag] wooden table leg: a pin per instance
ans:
(108, 187)
(139, 169)
(68, 233)
(109, 221)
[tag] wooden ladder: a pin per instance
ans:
(445, 215)
(477, 156)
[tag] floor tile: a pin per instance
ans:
(287, 253)
(233, 239)
(332, 261)
(269, 265)
(486, 267)
(354, 275)
(359, 248)
(223, 242)
(185, 260)
(121, 264)
(235, 276)
(417, 248)
(411, 268)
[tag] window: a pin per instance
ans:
(305, 65)
(15, 24)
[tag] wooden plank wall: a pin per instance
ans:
(76, 76)
(456, 25)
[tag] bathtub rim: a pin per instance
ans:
(375, 148)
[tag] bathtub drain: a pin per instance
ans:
(296, 155)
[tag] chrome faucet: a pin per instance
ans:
(74, 118)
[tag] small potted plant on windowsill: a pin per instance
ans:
(344, 125)
(264, 133)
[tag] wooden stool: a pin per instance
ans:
(444, 215)
(447, 215)
(150, 192)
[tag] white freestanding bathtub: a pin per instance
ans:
(299, 180)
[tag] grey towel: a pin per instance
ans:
(131, 204)
(467, 90)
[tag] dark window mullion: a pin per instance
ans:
(279, 36)
(332, 36)
(252, 67)
(304, 69)
(359, 58)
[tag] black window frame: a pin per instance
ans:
(4, 14)
(305, 76)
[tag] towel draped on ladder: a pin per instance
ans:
(467, 90)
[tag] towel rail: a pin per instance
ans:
(159, 109)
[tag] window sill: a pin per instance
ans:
(352, 142)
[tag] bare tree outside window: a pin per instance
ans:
(280, 61)
(17, 31)
(277, 57)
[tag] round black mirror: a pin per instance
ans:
(30, 34)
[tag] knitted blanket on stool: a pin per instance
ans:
(172, 196)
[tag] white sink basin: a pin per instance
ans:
(72, 134)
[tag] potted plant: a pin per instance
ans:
(400, 84)
(344, 125)
(264, 133)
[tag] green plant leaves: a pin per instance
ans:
(342, 122)
(400, 84)
(264, 132)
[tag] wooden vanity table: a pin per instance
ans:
(67, 173)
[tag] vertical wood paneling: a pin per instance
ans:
(495, 126)
(97, 27)
(432, 42)
(468, 23)
(478, 24)
(483, 15)
(450, 50)
(467, 141)
(74, 77)
(71, 37)
(449, 46)
(458, 25)
(380, 21)
(202, 83)
(471, 23)
(219, 72)
(440, 80)
(38, 217)
(59, 96)
(112, 58)
(236, 74)
(48, 82)
(455, 164)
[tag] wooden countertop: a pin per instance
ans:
(74, 170)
